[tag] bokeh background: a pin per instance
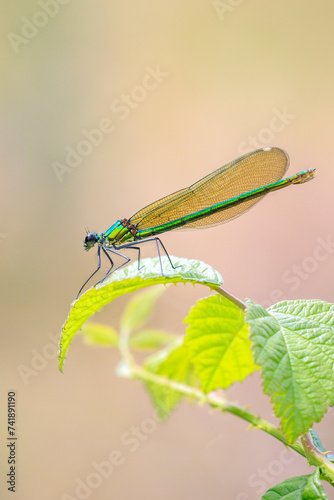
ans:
(230, 76)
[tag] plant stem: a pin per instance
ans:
(230, 297)
(216, 402)
(317, 458)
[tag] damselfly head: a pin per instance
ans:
(90, 240)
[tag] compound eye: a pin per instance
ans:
(90, 237)
(90, 240)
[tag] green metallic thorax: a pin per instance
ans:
(119, 233)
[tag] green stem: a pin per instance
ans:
(125, 352)
(230, 297)
(216, 402)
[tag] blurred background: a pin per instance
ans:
(106, 107)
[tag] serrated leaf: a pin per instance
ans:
(173, 364)
(294, 344)
(150, 339)
(128, 280)
(98, 334)
(140, 308)
(298, 488)
(218, 343)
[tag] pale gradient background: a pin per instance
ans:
(228, 71)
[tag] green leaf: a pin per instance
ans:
(140, 308)
(98, 334)
(316, 440)
(312, 445)
(128, 280)
(294, 344)
(218, 343)
(150, 339)
(173, 364)
(298, 488)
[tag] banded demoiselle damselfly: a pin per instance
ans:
(219, 197)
